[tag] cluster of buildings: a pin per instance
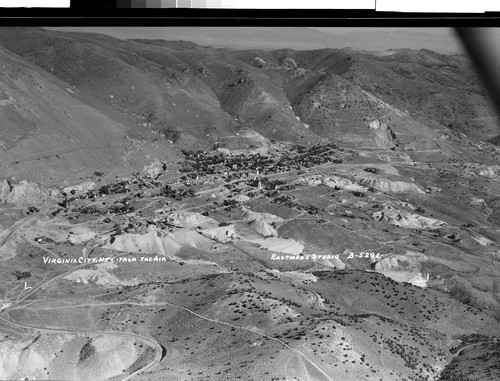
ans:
(233, 167)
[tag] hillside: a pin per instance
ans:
(188, 91)
(172, 211)
(52, 130)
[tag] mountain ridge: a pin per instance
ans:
(199, 96)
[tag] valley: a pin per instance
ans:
(197, 213)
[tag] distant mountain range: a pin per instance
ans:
(440, 40)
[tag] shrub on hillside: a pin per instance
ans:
(460, 291)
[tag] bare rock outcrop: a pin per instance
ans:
(222, 234)
(389, 186)
(263, 228)
(490, 172)
(410, 260)
(5, 189)
(386, 263)
(404, 219)
(384, 136)
(269, 218)
(24, 193)
(158, 242)
(80, 235)
(190, 220)
(337, 182)
(155, 169)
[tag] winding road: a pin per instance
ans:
(159, 349)
(154, 344)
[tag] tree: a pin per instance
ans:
(460, 291)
